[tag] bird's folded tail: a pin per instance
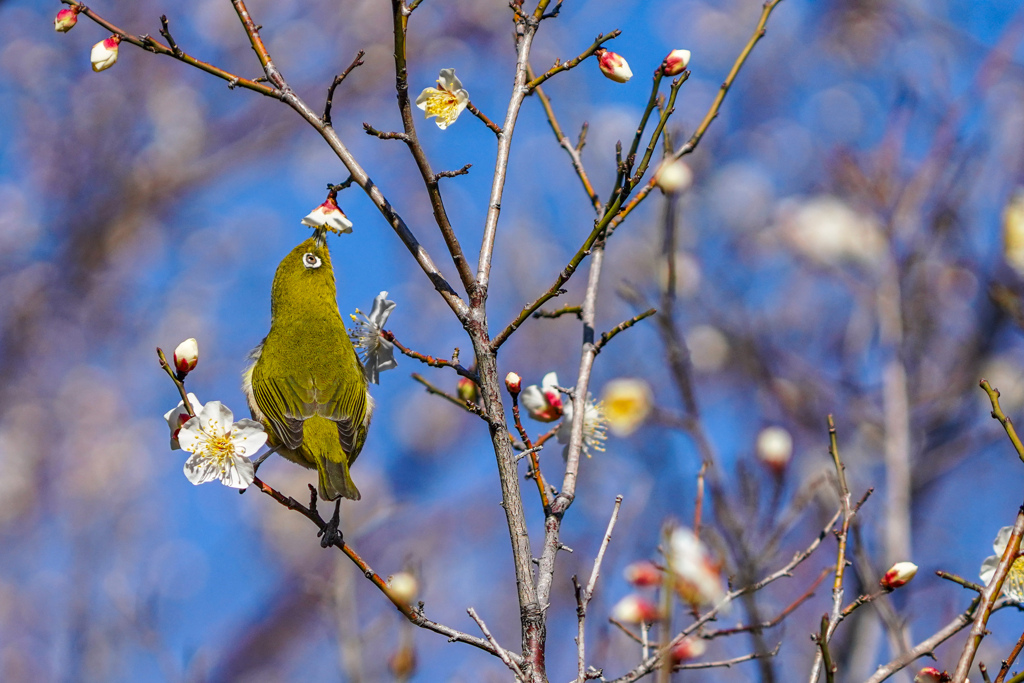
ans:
(335, 481)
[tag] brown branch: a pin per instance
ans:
(451, 174)
(565, 66)
(430, 360)
(400, 19)
(558, 313)
(998, 414)
(807, 595)
(455, 400)
(393, 135)
(572, 150)
(414, 616)
(532, 449)
(177, 382)
(358, 61)
(156, 47)
(962, 581)
(625, 325)
(583, 595)
(495, 128)
(821, 640)
(1008, 662)
(501, 652)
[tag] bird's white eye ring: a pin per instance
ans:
(311, 260)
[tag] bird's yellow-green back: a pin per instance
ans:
(307, 385)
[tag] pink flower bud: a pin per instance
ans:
(467, 390)
(898, 575)
(186, 356)
(66, 19)
(634, 609)
(929, 674)
(104, 53)
(688, 648)
(613, 66)
(676, 62)
(513, 383)
(643, 574)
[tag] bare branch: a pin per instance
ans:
(565, 66)
(358, 61)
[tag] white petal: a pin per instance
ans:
(449, 81)
(533, 399)
(427, 93)
(315, 218)
(565, 429)
(339, 222)
(216, 418)
(239, 473)
(199, 469)
(988, 568)
(550, 380)
(1002, 538)
(191, 437)
(248, 437)
(381, 310)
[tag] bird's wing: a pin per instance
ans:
(285, 403)
(345, 404)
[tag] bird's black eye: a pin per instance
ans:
(311, 260)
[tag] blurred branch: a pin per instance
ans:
(568, 309)
(728, 662)
(454, 400)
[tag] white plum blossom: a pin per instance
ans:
(595, 426)
(220, 447)
(446, 101)
(376, 353)
(1013, 587)
(178, 416)
(104, 53)
(329, 216)
(698, 577)
(543, 403)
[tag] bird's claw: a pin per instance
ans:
(331, 533)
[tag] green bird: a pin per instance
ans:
(305, 383)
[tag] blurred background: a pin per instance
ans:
(840, 251)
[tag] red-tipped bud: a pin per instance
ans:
(686, 649)
(898, 575)
(634, 609)
(676, 62)
(186, 356)
(104, 53)
(66, 19)
(513, 382)
(613, 66)
(643, 574)
(467, 390)
(930, 674)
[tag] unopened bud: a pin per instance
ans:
(104, 53)
(774, 448)
(613, 66)
(634, 609)
(674, 176)
(404, 586)
(186, 356)
(403, 662)
(929, 674)
(513, 383)
(898, 575)
(676, 62)
(467, 390)
(688, 648)
(643, 574)
(66, 19)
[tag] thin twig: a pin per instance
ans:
(998, 414)
(502, 652)
(358, 61)
(1008, 662)
(451, 174)
(454, 400)
(568, 309)
(583, 596)
(393, 135)
(565, 66)
(625, 325)
(431, 360)
(495, 128)
(960, 580)
(728, 662)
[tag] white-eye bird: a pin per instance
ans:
(305, 383)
